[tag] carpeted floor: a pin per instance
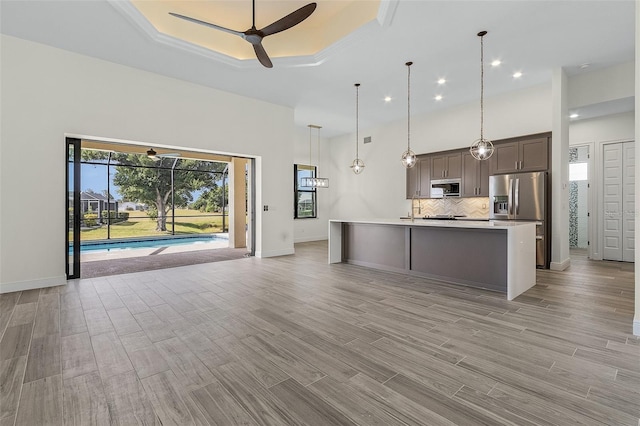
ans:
(102, 268)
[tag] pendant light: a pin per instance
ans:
(358, 165)
(314, 182)
(482, 148)
(408, 157)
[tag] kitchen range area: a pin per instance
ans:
(471, 222)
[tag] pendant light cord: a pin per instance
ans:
(318, 146)
(310, 146)
(481, 88)
(409, 105)
(357, 115)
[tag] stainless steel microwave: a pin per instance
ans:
(443, 188)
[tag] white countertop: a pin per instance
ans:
(459, 223)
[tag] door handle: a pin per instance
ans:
(516, 167)
(517, 196)
(510, 199)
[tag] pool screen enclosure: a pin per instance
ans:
(117, 194)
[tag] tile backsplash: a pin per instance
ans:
(477, 207)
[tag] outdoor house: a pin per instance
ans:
(92, 202)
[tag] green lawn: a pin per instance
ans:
(140, 225)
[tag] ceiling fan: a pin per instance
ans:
(254, 35)
(153, 155)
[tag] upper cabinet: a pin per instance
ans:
(446, 166)
(475, 177)
(525, 155)
(418, 178)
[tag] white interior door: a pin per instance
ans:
(628, 201)
(619, 201)
(612, 199)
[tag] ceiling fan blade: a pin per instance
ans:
(291, 20)
(262, 55)
(207, 24)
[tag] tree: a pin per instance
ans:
(213, 199)
(143, 180)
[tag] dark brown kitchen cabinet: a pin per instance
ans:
(526, 155)
(419, 178)
(475, 177)
(446, 166)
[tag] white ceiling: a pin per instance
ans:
(438, 36)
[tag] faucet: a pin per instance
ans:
(413, 199)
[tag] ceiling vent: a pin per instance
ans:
(367, 139)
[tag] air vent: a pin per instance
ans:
(367, 139)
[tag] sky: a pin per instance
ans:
(94, 177)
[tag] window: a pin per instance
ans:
(578, 171)
(304, 196)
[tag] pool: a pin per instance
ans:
(115, 245)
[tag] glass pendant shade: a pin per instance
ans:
(481, 149)
(357, 166)
(314, 182)
(409, 159)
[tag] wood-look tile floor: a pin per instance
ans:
(294, 341)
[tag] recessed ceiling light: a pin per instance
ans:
(496, 62)
(387, 98)
(442, 81)
(438, 97)
(574, 115)
(517, 74)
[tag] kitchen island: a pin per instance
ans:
(493, 255)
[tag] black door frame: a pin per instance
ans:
(73, 218)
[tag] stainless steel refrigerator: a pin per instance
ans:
(523, 197)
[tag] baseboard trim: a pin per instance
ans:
(275, 253)
(31, 284)
(636, 325)
(560, 266)
(310, 239)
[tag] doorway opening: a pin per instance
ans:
(579, 186)
(133, 208)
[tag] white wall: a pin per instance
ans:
(608, 84)
(47, 93)
(636, 320)
(617, 127)
(379, 191)
(559, 176)
(317, 228)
